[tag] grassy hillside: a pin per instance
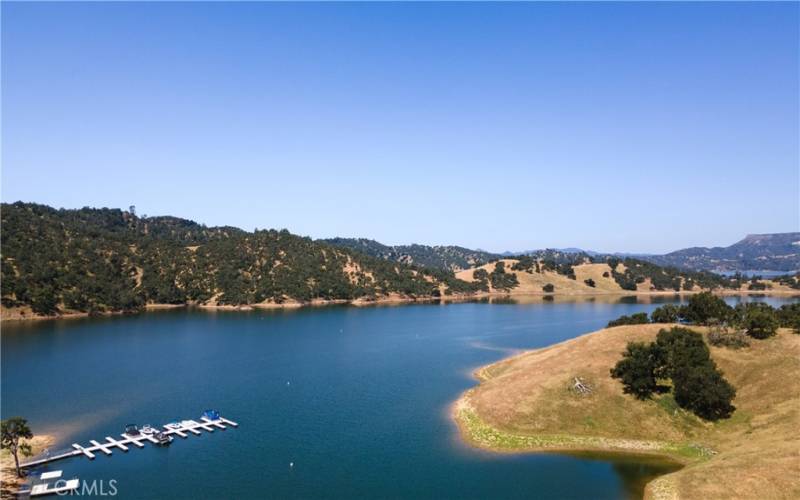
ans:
(95, 260)
(525, 403)
(582, 275)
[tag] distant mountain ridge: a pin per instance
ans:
(756, 252)
(775, 252)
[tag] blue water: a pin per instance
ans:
(356, 398)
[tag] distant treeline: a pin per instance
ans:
(96, 260)
(448, 257)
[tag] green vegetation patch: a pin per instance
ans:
(484, 435)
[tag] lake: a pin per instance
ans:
(356, 398)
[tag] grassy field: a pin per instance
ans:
(532, 283)
(525, 403)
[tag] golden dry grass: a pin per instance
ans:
(532, 283)
(524, 403)
(10, 483)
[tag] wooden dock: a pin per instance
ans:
(181, 429)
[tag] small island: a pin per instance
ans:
(563, 398)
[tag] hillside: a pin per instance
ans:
(761, 252)
(584, 275)
(525, 403)
(99, 260)
(109, 260)
(451, 258)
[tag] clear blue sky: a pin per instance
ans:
(614, 127)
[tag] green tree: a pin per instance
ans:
(44, 301)
(12, 431)
(548, 288)
(704, 391)
(706, 307)
(680, 348)
(758, 320)
(789, 316)
(681, 355)
(637, 368)
(589, 282)
(668, 313)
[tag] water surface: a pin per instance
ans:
(356, 398)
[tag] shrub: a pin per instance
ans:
(722, 336)
(589, 282)
(667, 313)
(636, 370)
(633, 319)
(606, 275)
(548, 288)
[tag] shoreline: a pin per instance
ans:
(517, 407)
(477, 433)
(23, 314)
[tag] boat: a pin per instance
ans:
(132, 430)
(147, 430)
(174, 426)
(163, 439)
(211, 415)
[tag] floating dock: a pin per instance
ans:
(181, 429)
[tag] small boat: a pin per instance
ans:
(163, 439)
(174, 425)
(132, 430)
(147, 430)
(211, 414)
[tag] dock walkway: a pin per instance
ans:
(178, 428)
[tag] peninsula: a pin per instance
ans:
(527, 403)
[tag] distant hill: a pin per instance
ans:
(108, 260)
(102, 260)
(777, 252)
(756, 252)
(451, 258)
